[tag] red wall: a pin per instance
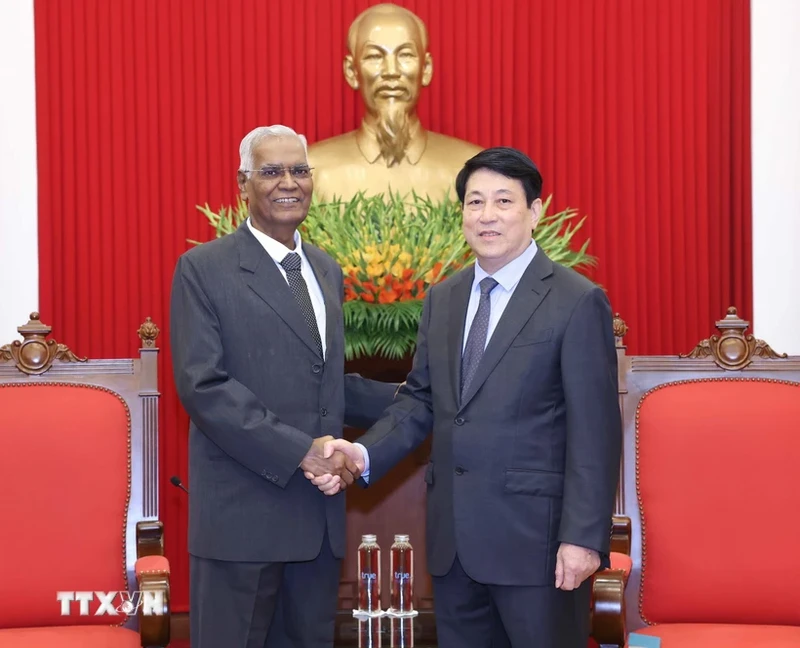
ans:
(637, 113)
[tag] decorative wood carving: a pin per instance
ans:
(733, 350)
(620, 328)
(148, 332)
(36, 354)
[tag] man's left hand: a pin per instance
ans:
(574, 565)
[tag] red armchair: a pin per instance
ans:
(79, 497)
(712, 488)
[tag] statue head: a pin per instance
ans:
(389, 63)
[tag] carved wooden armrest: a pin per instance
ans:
(152, 576)
(621, 534)
(608, 608)
(608, 589)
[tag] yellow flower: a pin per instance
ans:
(405, 258)
(375, 269)
(397, 269)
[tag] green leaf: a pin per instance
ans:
(389, 235)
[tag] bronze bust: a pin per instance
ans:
(389, 64)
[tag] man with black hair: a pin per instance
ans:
(515, 374)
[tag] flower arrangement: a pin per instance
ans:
(392, 250)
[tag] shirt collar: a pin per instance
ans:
(509, 275)
(371, 150)
(275, 249)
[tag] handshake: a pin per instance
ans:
(332, 464)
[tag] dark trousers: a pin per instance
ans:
(473, 615)
(264, 605)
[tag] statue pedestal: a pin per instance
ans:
(396, 504)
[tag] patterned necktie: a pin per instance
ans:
(292, 264)
(476, 341)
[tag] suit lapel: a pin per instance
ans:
(329, 293)
(527, 297)
(457, 313)
(266, 281)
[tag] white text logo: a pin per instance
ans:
(111, 603)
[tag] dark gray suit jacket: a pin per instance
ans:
(530, 457)
(257, 392)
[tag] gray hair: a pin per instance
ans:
(255, 136)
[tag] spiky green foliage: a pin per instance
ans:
(391, 250)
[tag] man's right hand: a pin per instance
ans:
(323, 458)
(330, 483)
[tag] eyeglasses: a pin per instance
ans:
(276, 171)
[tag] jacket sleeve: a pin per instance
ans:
(594, 425)
(222, 408)
(366, 400)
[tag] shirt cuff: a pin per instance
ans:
(365, 474)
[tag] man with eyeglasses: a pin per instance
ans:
(257, 339)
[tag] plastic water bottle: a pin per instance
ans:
(402, 632)
(369, 632)
(402, 570)
(369, 575)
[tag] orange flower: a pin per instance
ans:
(407, 274)
(350, 294)
(387, 296)
(367, 297)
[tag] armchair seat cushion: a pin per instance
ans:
(711, 635)
(70, 637)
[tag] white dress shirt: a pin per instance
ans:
(507, 278)
(278, 251)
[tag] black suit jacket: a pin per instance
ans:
(257, 391)
(529, 458)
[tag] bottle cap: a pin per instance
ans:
(370, 537)
(401, 538)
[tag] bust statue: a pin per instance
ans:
(388, 62)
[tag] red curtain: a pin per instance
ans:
(637, 112)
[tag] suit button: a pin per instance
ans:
(459, 421)
(459, 470)
(274, 478)
(264, 473)
(316, 368)
(323, 411)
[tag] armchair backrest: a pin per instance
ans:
(711, 481)
(78, 477)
